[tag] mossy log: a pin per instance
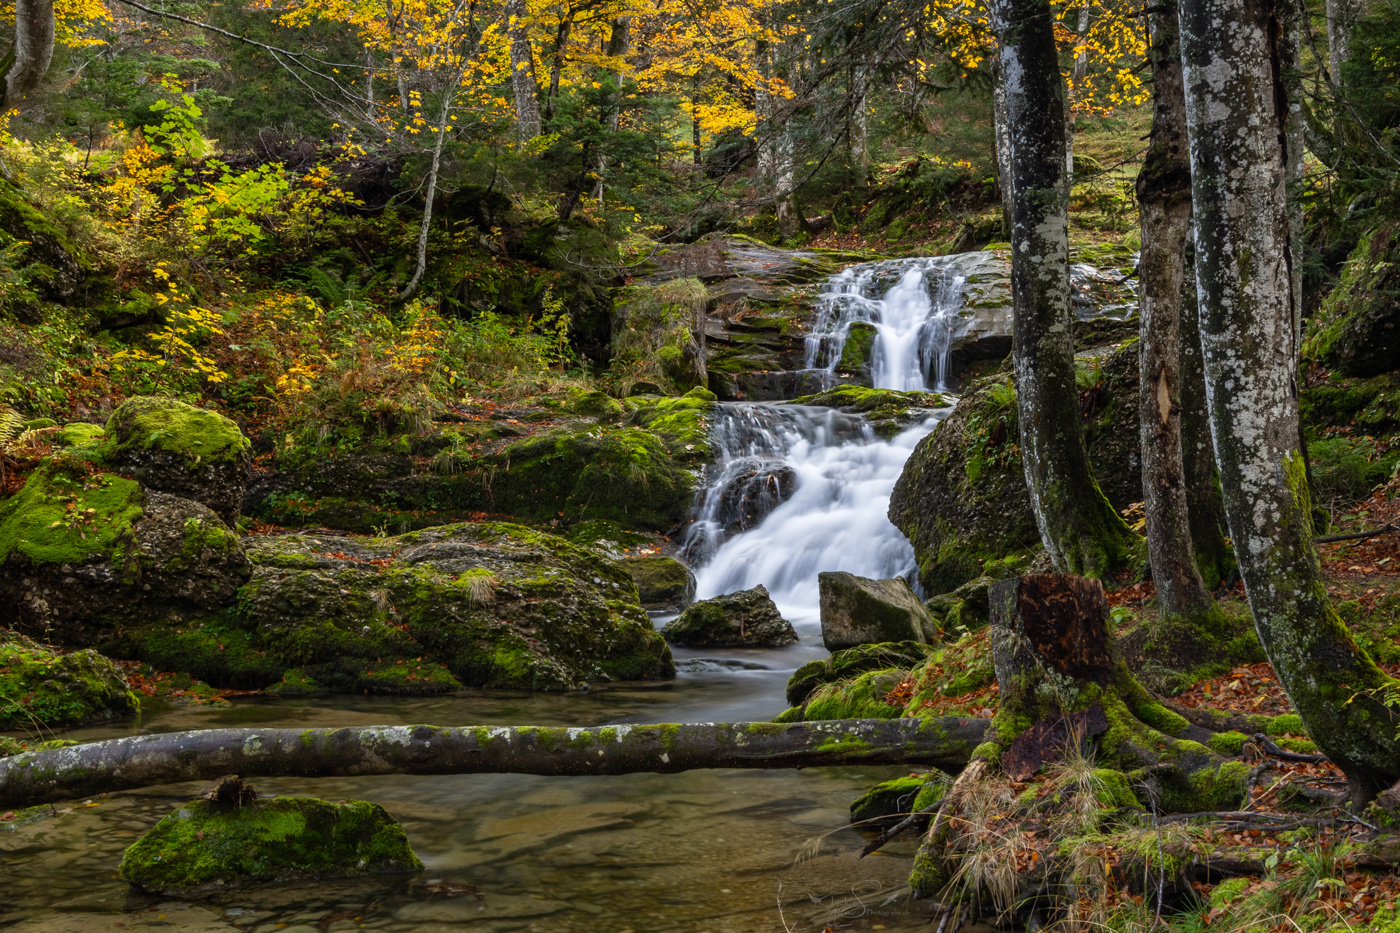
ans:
(140, 761)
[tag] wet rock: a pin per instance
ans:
(889, 802)
(847, 663)
(747, 619)
(886, 411)
(205, 846)
(82, 552)
(175, 448)
(860, 611)
(42, 686)
(662, 582)
(659, 334)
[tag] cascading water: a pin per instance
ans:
(797, 490)
(911, 303)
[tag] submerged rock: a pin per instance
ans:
(205, 845)
(662, 582)
(41, 686)
(860, 611)
(747, 619)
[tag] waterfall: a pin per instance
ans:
(912, 305)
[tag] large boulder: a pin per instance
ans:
(172, 447)
(860, 611)
(1357, 331)
(42, 686)
(662, 582)
(962, 500)
(747, 619)
(206, 845)
(82, 551)
(479, 605)
(658, 334)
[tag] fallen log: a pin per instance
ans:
(144, 760)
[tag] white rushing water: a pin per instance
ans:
(798, 490)
(911, 303)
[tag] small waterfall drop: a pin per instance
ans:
(912, 305)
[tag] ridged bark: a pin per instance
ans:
(528, 122)
(1080, 530)
(1243, 278)
(1164, 197)
(173, 757)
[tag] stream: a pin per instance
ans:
(795, 491)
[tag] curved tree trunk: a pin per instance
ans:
(1164, 194)
(1080, 530)
(426, 223)
(1242, 274)
(169, 758)
(34, 32)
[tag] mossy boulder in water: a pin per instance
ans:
(481, 605)
(860, 611)
(82, 551)
(747, 619)
(205, 845)
(172, 447)
(846, 664)
(662, 582)
(889, 802)
(41, 686)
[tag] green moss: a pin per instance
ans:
(408, 677)
(1287, 724)
(166, 424)
(80, 434)
(859, 345)
(63, 515)
(203, 845)
(850, 662)
(42, 686)
(1112, 788)
(894, 798)
(212, 650)
(861, 698)
(296, 683)
(1229, 744)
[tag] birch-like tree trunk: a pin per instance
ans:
(1342, 16)
(1241, 216)
(1080, 73)
(860, 121)
(1002, 135)
(1164, 197)
(33, 51)
(425, 224)
(528, 122)
(1080, 530)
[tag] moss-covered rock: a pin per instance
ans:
(889, 802)
(41, 686)
(962, 499)
(886, 410)
(846, 664)
(204, 846)
(863, 697)
(659, 334)
(1356, 326)
(747, 619)
(662, 582)
(491, 605)
(175, 448)
(860, 611)
(82, 551)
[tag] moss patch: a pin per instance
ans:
(203, 845)
(65, 514)
(40, 686)
(151, 423)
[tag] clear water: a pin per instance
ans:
(705, 850)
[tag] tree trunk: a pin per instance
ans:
(424, 225)
(1242, 275)
(1342, 16)
(1204, 507)
(1079, 74)
(522, 73)
(556, 66)
(34, 31)
(1081, 531)
(169, 758)
(860, 122)
(1164, 195)
(1002, 136)
(617, 47)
